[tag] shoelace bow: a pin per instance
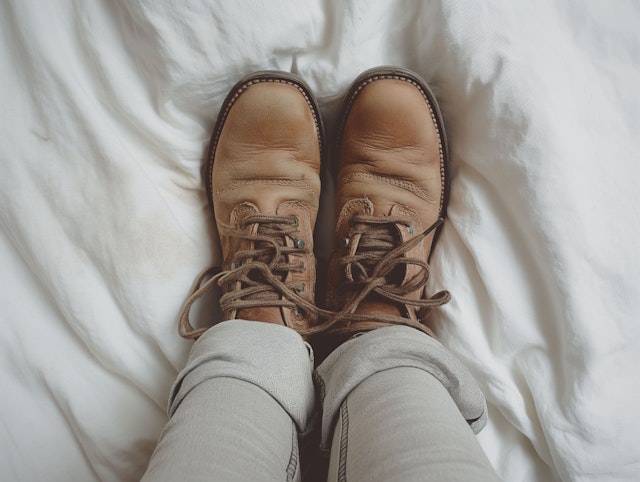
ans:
(371, 269)
(261, 272)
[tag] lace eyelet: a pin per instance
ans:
(297, 312)
(345, 242)
(295, 222)
(303, 289)
(299, 243)
(234, 266)
(410, 229)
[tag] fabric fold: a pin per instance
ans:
(272, 357)
(387, 348)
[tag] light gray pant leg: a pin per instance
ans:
(237, 408)
(397, 406)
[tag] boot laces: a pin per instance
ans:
(377, 268)
(262, 270)
(257, 277)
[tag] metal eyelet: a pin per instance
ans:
(303, 289)
(345, 242)
(297, 312)
(295, 222)
(299, 243)
(234, 266)
(410, 229)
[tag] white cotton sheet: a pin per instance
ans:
(107, 107)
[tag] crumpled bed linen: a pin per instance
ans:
(107, 107)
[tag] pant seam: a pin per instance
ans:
(292, 467)
(344, 442)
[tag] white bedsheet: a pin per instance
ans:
(107, 107)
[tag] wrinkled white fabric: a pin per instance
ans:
(107, 107)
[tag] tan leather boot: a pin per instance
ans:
(392, 192)
(263, 184)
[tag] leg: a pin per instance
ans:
(394, 400)
(247, 390)
(237, 408)
(394, 408)
(244, 435)
(401, 424)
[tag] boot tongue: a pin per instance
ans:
(268, 314)
(393, 238)
(272, 232)
(373, 304)
(272, 314)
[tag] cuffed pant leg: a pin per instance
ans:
(226, 429)
(238, 407)
(398, 406)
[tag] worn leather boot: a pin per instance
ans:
(263, 184)
(392, 192)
